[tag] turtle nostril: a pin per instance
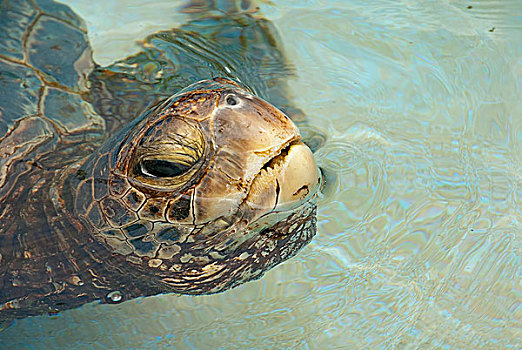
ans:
(232, 100)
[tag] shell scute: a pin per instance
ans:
(94, 215)
(17, 16)
(20, 88)
(117, 185)
(61, 11)
(133, 199)
(60, 52)
(115, 212)
(179, 209)
(168, 235)
(136, 230)
(144, 248)
(70, 111)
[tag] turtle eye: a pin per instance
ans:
(167, 156)
(162, 168)
(232, 100)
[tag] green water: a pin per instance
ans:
(419, 234)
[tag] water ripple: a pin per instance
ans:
(419, 242)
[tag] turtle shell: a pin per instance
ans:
(45, 59)
(45, 125)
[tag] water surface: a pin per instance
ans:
(419, 234)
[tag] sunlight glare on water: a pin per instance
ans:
(419, 229)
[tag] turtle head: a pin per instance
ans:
(206, 190)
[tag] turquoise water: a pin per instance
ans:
(419, 240)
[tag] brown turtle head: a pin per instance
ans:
(207, 190)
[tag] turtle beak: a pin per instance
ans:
(298, 179)
(286, 182)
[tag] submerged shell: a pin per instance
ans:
(44, 62)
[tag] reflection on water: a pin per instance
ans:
(419, 242)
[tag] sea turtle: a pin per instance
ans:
(117, 183)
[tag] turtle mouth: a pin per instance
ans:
(277, 206)
(279, 157)
(284, 182)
